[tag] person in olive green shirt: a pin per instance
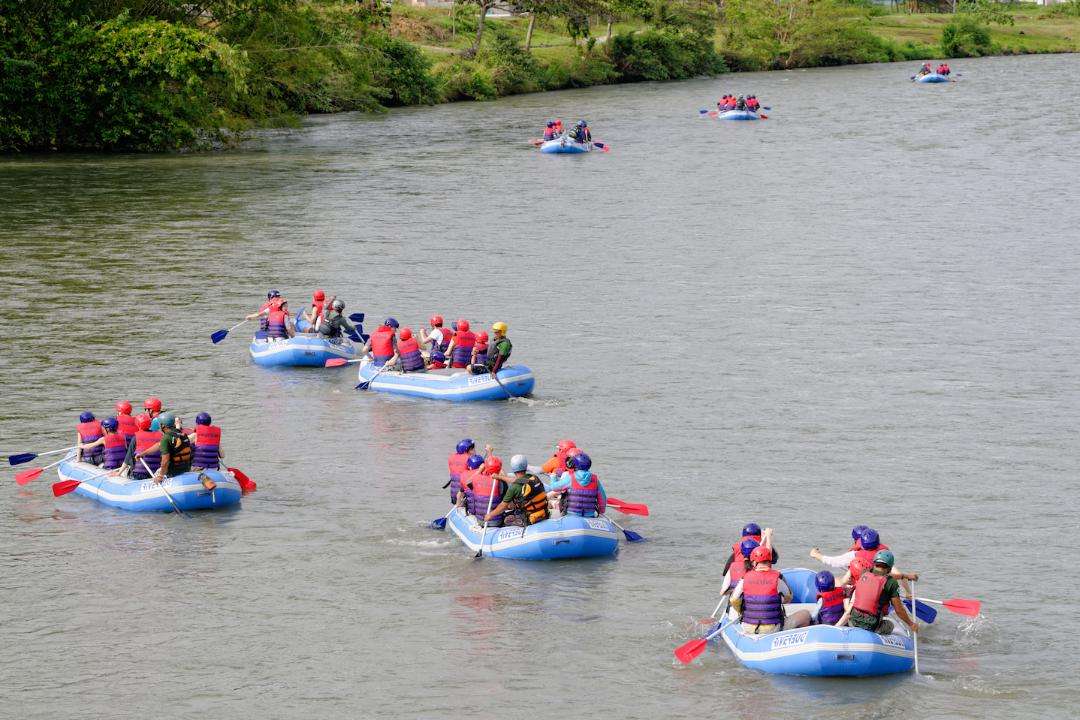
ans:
(890, 595)
(176, 452)
(525, 499)
(501, 348)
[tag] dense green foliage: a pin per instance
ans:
(966, 36)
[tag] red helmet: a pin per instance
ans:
(564, 445)
(406, 333)
(571, 452)
(319, 296)
(152, 404)
(463, 325)
(493, 464)
(142, 421)
(761, 554)
(436, 321)
(123, 407)
(482, 337)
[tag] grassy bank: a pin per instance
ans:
(149, 75)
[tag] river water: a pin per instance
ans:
(862, 310)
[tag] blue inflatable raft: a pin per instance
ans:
(932, 78)
(738, 115)
(563, 144)
(564, 538)
(302, 350)
(456, 385)
(146, 495)
(820, 650)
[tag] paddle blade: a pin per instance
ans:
(628, 508)
(27, 476)
(21, 458)
(960, 606)
(922, 611)
(247, 485)
(356, 317)
(336, 362)
(64, 487)
(218, 336)
(438, 524)
(713, 113)
(763, 117)
(632, 536)
(688, 651)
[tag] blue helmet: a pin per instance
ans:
(857, 531)
(202, 418)
(475, 461)
(581, 123)
(86, 416)
(391, 322)
(824, 581)
(751, 529)
(110, 423)
(747, 546)
(465, 446)
(551, 123)
(582, 461)
(868, 538)
(271, 294)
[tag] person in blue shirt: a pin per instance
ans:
(580, 488)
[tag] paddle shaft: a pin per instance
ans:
(48, 452)
(717, 610)
(495, 376)
(483, 536)
(365, 384)
(162, 486)
(914, 634)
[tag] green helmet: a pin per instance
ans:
(885, 557)
(166, 420)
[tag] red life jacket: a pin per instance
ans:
(867, 597)
(126, 426)
(857, 567)
(463, 345)
(832, 606)
(484, 486)
(276, 323)
(90, 431)
(737, 571)
(867, 556)
(409, 350)
(737, 551)
(382, 344)
(207, 447)
(761, 598)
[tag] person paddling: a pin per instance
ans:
(279, 325)
(874, 593)
(525, 501)
(458, 465)
(87, 433)
(273, 301)
(334, 323)
(473, 467)
(737, 568)
(315, 312)
(176, 452)
(439, 340)
(382, 345)
(125, 421)
(760, 597)
(556, 464)
(410, 357)
(498, 353)
(583, 493)
(207, 443)
(549, 131)
(483, 487)
(830, 598)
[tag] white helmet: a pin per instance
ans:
(519, 463)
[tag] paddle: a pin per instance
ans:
(247, 485)
(631, 536)
(603, 146)
(20, 458)
(162, 486)
(27, 476)
(65, 486)
(914, 633)
(960, 606)
(495, 376)
(440, 523)
(357, 337)
(628, 508)
(922, 611)
(367, 383)
(723, 600)
(222, 334)
(483, 536)
(356, 317)
(688, 651)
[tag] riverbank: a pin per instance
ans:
(98, 80)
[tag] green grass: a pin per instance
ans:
(1035, 31)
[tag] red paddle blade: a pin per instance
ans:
(26, 476)
(629, 508)
(64, 487)
(246, 484)
(961, 606)
(686, 652)
(336, 362)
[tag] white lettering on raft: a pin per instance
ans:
(510, 533)
(892, 641)
(789, 640)
(597, 523)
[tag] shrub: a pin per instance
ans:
(966, 37)
(663, 55)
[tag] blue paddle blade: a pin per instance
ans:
(356, 317)
(364, 385)
(20, 458)
(632, 536)
(922, 611)
(438, 524)
(218, 336)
